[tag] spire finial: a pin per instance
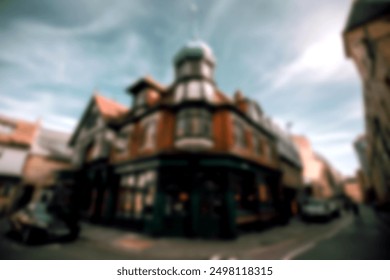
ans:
(194, 11)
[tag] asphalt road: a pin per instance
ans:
(367, 238)
(344, 238)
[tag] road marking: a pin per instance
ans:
(215, 257)
(301, 249)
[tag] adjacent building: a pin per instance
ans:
(291, 167)
(353, 190)
(30, 157)
(16, 138)
(184, 158)
(367, 42)
(48, 154)
(321, 180)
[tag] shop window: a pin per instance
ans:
(175, 204)
(125, 203)
(263, 193)
(194, 122)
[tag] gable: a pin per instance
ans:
(90, 119)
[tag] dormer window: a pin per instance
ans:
(140, 99)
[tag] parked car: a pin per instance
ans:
(35, 223)
(320, 209)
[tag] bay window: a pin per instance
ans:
(194, 122)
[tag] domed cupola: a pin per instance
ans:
(194, 68)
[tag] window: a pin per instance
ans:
(90, 121)
(184, 69)
(206, 70)
(257, 144)
(193, 122)
(148, 137)
(239, 134)
(268, 151)
(122, 142)
(140, 99)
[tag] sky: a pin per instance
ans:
(286, 55)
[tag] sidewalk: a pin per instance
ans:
(270, 243)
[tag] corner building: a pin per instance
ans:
(184, 160)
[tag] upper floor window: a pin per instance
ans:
(90, 121)
(140, 99)
(257, 144)
(186, 68)
(194, 122)
(239, 134)
(122, 142)
(149, 134)
(268, 151)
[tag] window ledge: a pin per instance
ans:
(194, 143)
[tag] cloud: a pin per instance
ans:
(50, 71)
(322, 61)
(288, 55)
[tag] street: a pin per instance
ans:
(348, 237)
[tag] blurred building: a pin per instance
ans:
(16, 138)
(321, 180)
(362, 174)
(291, 167)
(367, 42)
(185, 159)
(30, 157)
(48, 154)
(353, 189)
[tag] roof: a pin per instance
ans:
(52, 144)
(221, 98)
(109, 108)
(143, 82)
(195, 49)
(363, 11)
(21, 133)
